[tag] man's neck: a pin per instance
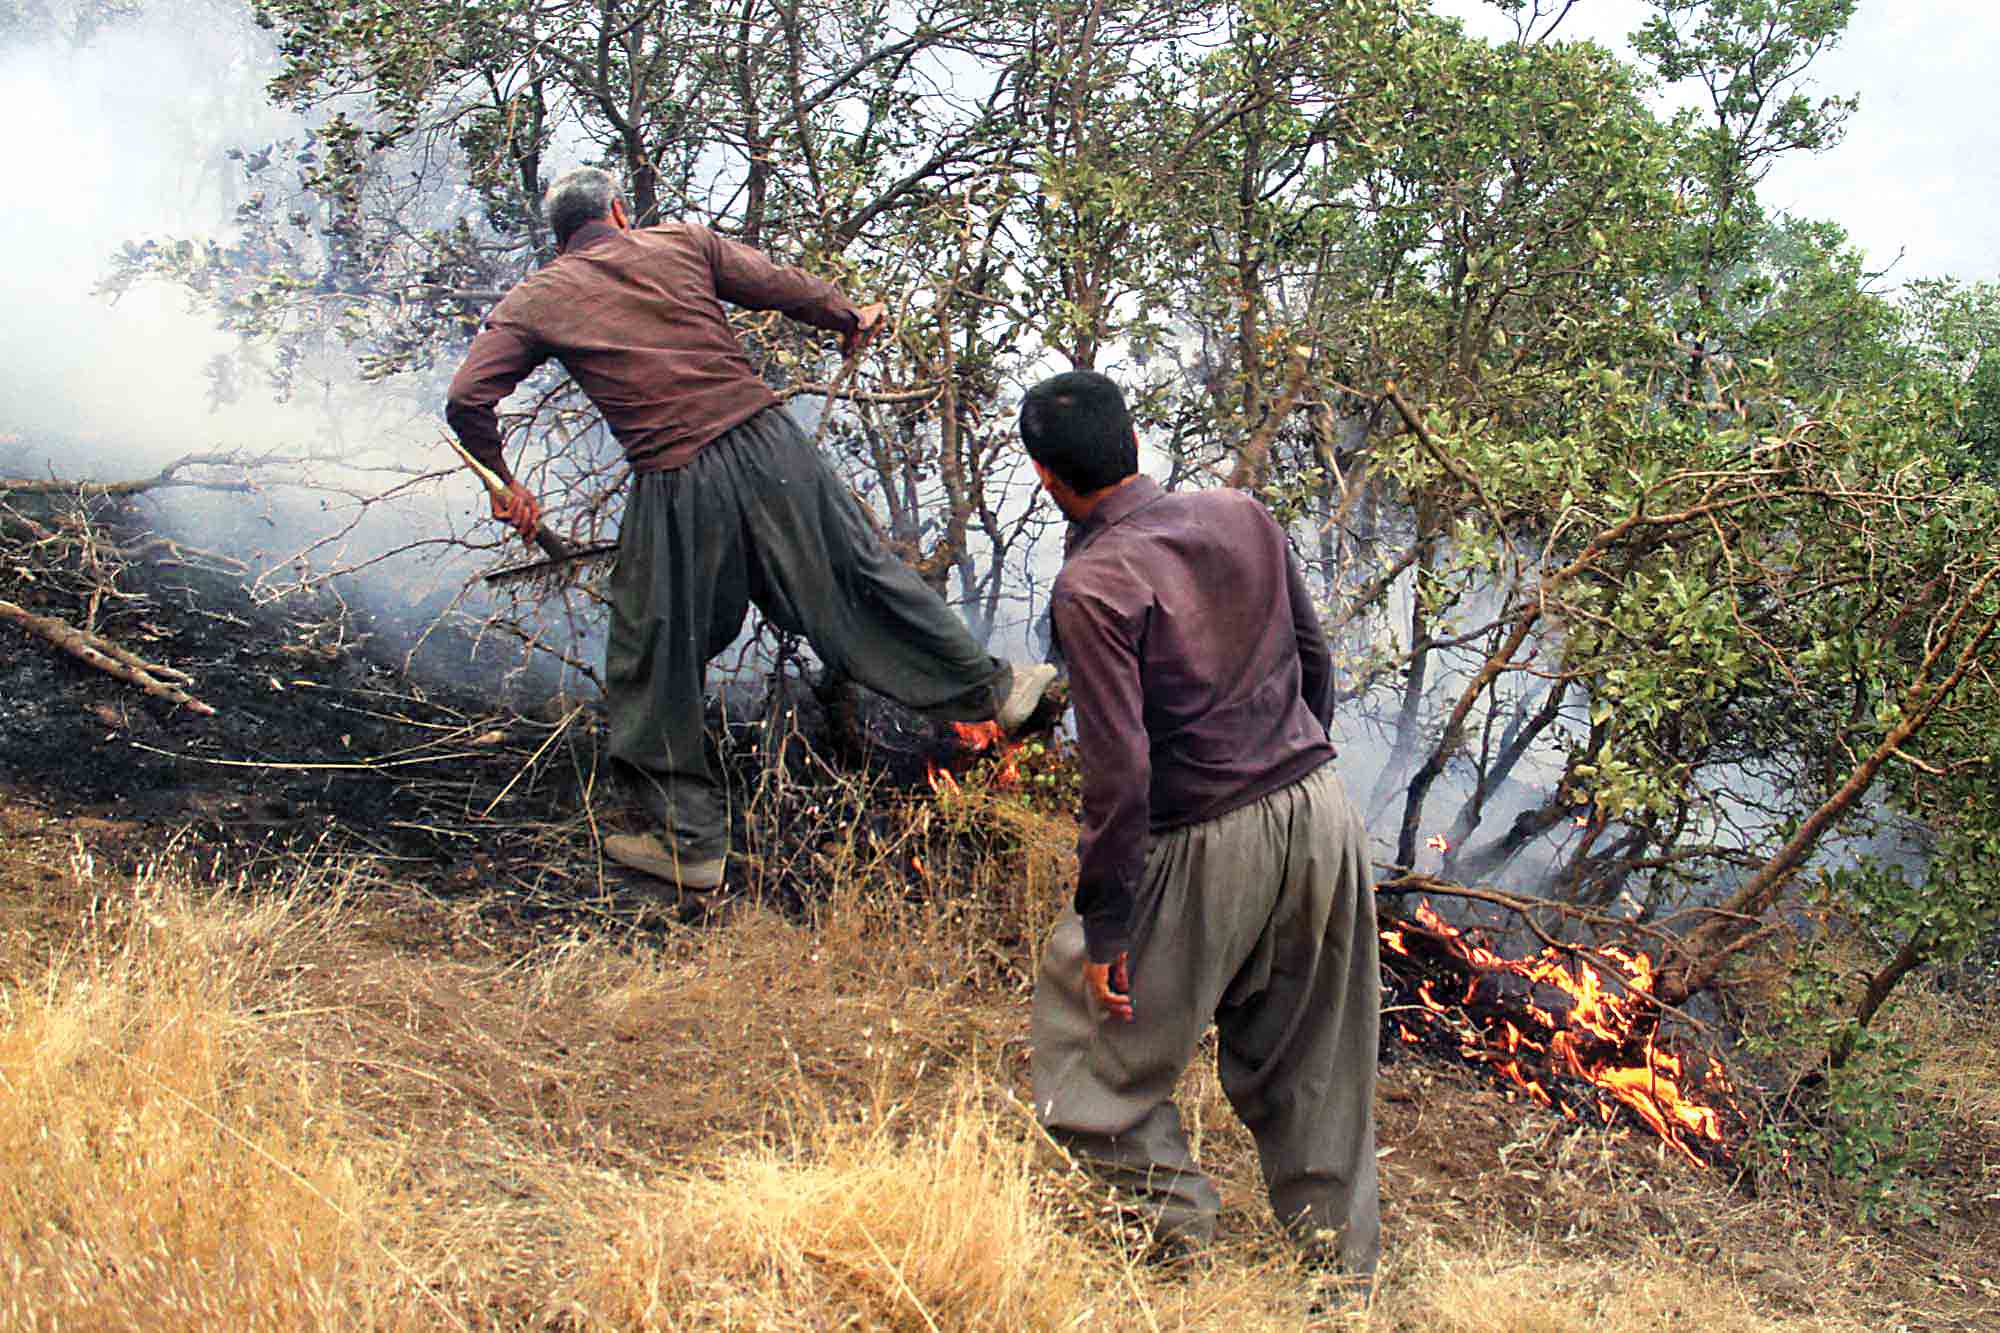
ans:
(589, 234)
(1083, 506)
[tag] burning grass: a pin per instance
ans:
(341, 1105)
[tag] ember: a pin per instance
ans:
(980, 738)
(1593, 1048)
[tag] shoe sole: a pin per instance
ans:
(662, 866)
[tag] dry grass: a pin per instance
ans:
(327, 1109)
(160, 1171)
(1508, 1287)
(1954, 1040)
(942, 1229)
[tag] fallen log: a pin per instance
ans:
(162, 682)
(167, 478)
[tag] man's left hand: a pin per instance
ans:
(1111, 986)
(868, 321)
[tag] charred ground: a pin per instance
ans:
(451, 758)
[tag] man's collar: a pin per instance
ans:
(1113, 508)
(587, 236)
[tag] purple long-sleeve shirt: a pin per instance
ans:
(1199, 673)
(637, 319)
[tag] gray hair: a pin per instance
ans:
(579, 196)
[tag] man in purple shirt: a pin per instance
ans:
(730, 506)
(1222, 875)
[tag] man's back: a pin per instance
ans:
(637, 319)
(1201, 591)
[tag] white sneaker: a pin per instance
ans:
(1030, 683)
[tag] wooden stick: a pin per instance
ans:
(159, 681)
(166, 477)
(554, 547)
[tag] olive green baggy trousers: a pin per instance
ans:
(758, 517)
(1262, 921)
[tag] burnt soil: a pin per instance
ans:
(460, 770)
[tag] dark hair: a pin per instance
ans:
(1076, 425)
(580, 196)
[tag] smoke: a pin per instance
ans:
(118, 138)
(128, 136)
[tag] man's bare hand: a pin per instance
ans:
(518, 508)
(868, 322)
(1111, 986)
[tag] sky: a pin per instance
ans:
(1916, 180)
(124, 136)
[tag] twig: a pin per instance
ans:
(167, 476)
(162, 682)
(1250, 461)
(362, 766)
(534, 758)
(841, 382)
(1456, 469)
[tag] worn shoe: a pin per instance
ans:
(1025, 688)
(644, 852)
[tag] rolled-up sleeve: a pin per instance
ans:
(1101, 648)
(500, 357)
(745, 277)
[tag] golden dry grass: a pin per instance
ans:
(322, 1109)
(160, 1171)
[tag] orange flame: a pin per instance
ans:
(977, 736)
(1437, 842)
(1607, 1038)
(980, 738)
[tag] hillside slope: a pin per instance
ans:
(313, 1096)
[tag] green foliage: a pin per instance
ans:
(1857, 1124)
(1049, 778)
(1981, 433)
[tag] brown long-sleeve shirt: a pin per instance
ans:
(636, 317)
(1199, 673)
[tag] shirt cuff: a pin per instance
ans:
(1105, 937)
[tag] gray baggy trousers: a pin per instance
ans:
(1262, 920)
(758, 516)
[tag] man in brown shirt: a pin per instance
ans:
(1222, 874)
(730, 505)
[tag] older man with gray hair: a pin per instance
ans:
(730, 504)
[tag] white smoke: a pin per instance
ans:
(121, 138)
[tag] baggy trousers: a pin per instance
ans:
(1262, 920)
(758, 516)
